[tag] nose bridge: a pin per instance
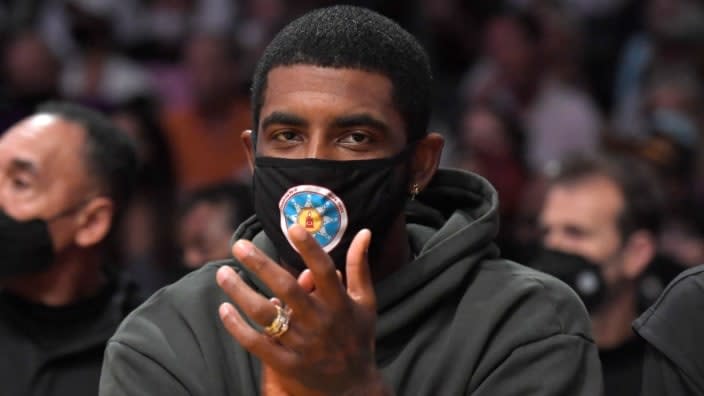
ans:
(317, 146)
(553, 238)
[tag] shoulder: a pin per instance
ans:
(189, 304)
(537, 303)
(678, 312)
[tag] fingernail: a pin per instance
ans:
(225, 310)
(243, 248)
(223, 275)
(297, 233)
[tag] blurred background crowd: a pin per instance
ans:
(520, 86)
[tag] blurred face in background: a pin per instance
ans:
(581, 218)
(515, 54)
(211, 70)
(205, 233)
(31, 70)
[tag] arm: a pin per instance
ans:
(554, 366)
(127, 372)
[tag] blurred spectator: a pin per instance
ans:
(672, 328)
(147, 234)
(491, 143)
(66, 174)
(683, 235)
(559, 118)
(30, 76)
(205, 135)
(209, 218)
(260, 20)
(163, 25)
(672, 39)
(605, 210)
(97, 73)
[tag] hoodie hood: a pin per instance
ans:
(451, 226)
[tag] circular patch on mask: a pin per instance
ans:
(316, 209)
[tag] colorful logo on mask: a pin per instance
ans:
(318, 210)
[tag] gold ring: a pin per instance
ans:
(279, 325)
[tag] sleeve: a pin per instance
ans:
(558, 365)
(125, 371)
(661, 377)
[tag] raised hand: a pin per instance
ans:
(328, 347)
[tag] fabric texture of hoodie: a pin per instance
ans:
(457, 320)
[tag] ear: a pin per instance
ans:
(638, 253)
(94, 222)
(248, 147)
(426, 160)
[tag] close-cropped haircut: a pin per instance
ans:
(109, 155)
(348, 37)
(643, 198)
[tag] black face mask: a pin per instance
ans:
(333, 200)
(25, 246)
(583, 276)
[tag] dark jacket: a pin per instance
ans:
(457, 320)
(58, 351)
(672, 329)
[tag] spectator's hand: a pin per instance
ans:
(328, 348)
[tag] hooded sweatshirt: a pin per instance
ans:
(456, 320)
(672, 329)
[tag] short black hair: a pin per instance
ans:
(109, 154)
(348, 37)
(644, 201)
(235, 197)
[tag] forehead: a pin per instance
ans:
(50, 143)
(306, 86)
(593, 201)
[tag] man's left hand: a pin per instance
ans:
(328, 348)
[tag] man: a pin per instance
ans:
(672, 328)
(203, 134)
(343, 293)
(209, 217)
(605, 210)
(65, 174)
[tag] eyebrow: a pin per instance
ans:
(20, 164)
(279, 117)
(363, 119)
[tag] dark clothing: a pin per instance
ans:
(673, 328)
(58, 351)
(622, 368)
(457, 320)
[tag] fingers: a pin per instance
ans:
(359, 281)
(262, 346)
(326, 281)
(281, 283)
(256, 306)
(306, 281)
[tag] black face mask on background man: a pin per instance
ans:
(582, 275)
(25, 246)
(332, 200)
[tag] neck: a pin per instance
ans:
(72, 277)
(611, 324)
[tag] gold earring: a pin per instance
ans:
(414, 191)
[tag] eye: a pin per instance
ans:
(355, 138)
(19, 183)
(286, 136)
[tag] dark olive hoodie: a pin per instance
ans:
(457, 320)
